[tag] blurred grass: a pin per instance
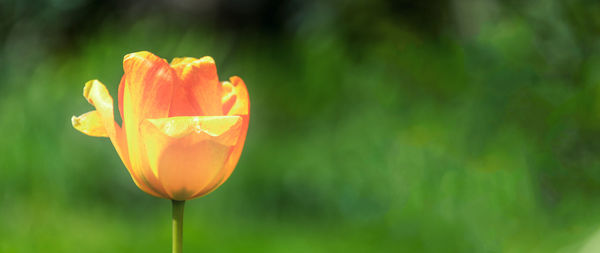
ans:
(484, 142)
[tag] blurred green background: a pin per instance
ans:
(377, 126)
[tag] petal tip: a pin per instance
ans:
(235, 80)
(88, 87)
(207, 59)
(204, 62)
(145, 57)
(140, 54)
(182, 60)
(75, 121)
(90, 124)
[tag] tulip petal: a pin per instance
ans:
(236, 94)
(101, 122)
(97, 95)
(199, 92)
(183, 103)
(147, 86)
(146, 93)
(90, 123)
(239, 94)
(179, 63)
(187, 153)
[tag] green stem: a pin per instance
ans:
(178, 226)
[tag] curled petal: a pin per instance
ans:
(97, 95)
(188, 153)
(90, 123)
(239, 94)
(102, 121)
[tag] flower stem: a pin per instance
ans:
(178, 226)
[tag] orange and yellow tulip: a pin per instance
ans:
(182, 129)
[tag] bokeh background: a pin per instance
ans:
(377, 126)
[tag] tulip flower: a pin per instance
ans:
(182, 129)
